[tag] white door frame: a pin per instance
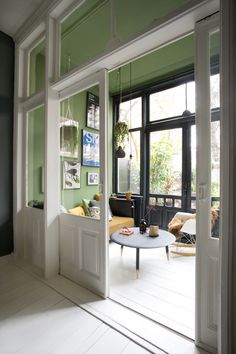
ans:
(226, 337)
(83, 240)
(173, 28)
(207, 247)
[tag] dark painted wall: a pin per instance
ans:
(6, 143)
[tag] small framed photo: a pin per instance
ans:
(92, 111)
(93, 178)
(71, 174)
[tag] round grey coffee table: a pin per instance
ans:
(137, 240)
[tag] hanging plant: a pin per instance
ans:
(121, 133)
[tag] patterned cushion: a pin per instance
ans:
(94, 212)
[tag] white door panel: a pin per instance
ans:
(207, 262)
(83, 240)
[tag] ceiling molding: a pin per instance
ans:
(35, 20)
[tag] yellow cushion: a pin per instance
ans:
(77, 211)
(118, 222)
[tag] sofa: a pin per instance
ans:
(121, 212)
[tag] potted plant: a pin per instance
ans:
(121, 133)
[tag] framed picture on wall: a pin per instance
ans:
(92, 111)
(92, 178)
(90, 149)
(71, 174)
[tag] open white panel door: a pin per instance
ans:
(83, 135)
(208, 152)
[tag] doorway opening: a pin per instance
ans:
(155, 96)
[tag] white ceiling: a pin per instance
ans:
(13, 13)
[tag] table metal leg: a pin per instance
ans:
(121, 250)
(167, 252)
(137, 262)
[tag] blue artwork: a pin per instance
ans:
(90, 149)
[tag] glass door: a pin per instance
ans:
(165, 176)
(84, 200)
(207, 182)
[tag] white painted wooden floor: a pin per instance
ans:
(34, 318)
(59, 316)
(164, 291)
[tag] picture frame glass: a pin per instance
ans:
(90, 149)
(93, 178)
(93, 112)
(71, 174)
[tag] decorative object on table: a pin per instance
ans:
(126, 231)
(92, 111)
(90, 153)
(128, 195)
(92, 178)
(153, 230)
(71, 174)
(142, 226)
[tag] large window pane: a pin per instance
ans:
(36, 77)
(85, 34)
(35, 158)
(168, 103)
(166, 162)
(215, 125)
(215, 159)
(134, 16)
(215, 91)
(79, 151)
(191, 96)
(131, 112)
(129, 167)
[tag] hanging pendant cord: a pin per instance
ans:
(68, 111)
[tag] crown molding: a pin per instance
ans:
(35, 21)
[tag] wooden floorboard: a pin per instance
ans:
(60, 317)
(150, 334)
(36, 319)
(164, 290)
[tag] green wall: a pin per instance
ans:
(153, 67)
(86, 33)
(73, 197)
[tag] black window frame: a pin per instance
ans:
(184, 121)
